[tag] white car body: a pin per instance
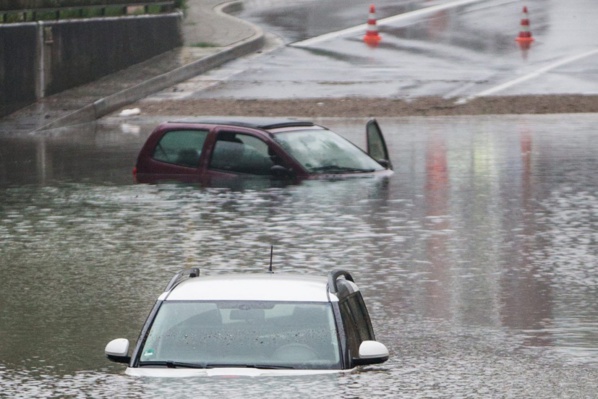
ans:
(268, 288)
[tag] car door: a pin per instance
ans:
(175, 153)
(356, 323)
(238, 153)
(376, 145)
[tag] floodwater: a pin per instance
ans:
(477, 258)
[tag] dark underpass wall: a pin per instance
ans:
(74, 52)
(17, 67)
(83, 51)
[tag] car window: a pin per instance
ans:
(351, 329)
(285, 334)
(241, 153)
(323, 151)
(375, 140)
(181, 147)
(356, 320)
(362, 318)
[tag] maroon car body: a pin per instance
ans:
(212, 151)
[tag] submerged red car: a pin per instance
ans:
(204, 151)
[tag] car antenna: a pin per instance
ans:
(271, 253)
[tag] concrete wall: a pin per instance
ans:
(47, 57)
(18, 44)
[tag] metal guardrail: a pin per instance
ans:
(81, 11)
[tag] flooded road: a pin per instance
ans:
(477, 258)
(451, 49)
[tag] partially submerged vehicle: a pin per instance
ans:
(204, 151)
(253, 325)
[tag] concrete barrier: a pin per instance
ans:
(111, 103)
(47, 57)
(18, 66)
(106, 105)
(81, 51)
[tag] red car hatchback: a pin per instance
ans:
(205, 151)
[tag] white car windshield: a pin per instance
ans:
(261, 334)
(323, 151)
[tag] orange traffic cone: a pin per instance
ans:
(372, 38)
(525, 36)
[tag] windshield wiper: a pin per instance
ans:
(174, 365)
(340, 169)
(249, 366)
(269, 366)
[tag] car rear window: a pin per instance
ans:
(181, 147)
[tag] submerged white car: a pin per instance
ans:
(252, 325)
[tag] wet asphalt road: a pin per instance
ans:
(428, 48)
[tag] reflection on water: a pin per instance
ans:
(477, 258)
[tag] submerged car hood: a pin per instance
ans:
(221, 372)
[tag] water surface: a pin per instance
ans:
(477, 258)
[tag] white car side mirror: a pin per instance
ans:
(371, 352)
(117, 350)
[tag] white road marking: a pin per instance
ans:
(384, 21)
(529, 76)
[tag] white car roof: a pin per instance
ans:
(252, 287)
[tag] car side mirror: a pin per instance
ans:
(117, 350)
(371, 352)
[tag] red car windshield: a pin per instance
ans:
(323, 151)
